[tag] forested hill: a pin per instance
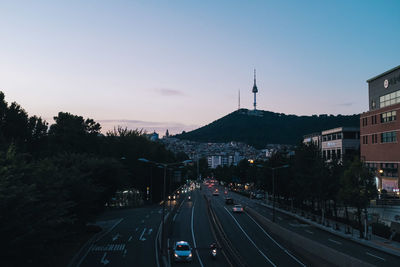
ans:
(265, 127)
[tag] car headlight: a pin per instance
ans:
(176, 255)
(190, 255)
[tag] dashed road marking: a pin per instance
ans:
(308, 231)
(334, 241)
(109, 247)
(375, 256)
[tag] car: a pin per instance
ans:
(237, 208)
(228, 200)
(182, 251)
(259, 196)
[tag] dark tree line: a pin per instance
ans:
(54, 180)
(309, 182)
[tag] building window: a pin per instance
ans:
(339, 153)
(390, 99)
(373, 119)
(329, 155)
(365, 139)
(374, 138)
(339, 136)
(364, 121)
(388, 116)
(389, 137)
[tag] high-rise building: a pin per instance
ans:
(379, 129)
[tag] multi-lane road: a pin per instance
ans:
(129, 238)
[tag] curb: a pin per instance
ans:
(361, 242)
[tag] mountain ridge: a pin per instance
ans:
(259, 128)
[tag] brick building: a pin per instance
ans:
(379, 129)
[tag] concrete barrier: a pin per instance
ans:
(315, 253)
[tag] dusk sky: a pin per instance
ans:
(180, 64)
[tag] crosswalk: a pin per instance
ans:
(108, 247)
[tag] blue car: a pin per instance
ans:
(182, 251)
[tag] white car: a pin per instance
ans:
(182, 251)
(237, 208)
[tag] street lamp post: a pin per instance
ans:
(273, 188)
(163, 165)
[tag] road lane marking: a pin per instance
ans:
(130, 238)
(254, 244)
(194, 240)
(308, 231)
(141, 238)
(375, 256)
(104, 260)
(116, 237)
(173, 219)
(150, 231)
(281, 247)
(334, 241)
(156, 245)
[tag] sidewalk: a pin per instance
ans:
(376, 242)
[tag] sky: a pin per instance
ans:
(179, 65)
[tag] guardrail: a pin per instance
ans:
(229, 251)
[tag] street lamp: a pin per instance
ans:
(163, 165)
(273, 187)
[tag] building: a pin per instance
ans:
(314, 138)
(379, 129)
(338, 142)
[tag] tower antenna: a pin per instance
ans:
(255, 90)
(239, 100)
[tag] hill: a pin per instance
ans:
(264, 127)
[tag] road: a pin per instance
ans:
(191, 224)
(255, 246)
(366, 254)
(129, 240)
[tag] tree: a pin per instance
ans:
(73, 134)
(357, 188)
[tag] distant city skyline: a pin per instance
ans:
(178, 65)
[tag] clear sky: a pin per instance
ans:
(180, 64)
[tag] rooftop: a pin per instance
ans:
(383, 74)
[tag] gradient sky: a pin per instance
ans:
(179, 64)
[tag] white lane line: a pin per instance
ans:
(334, 241)
(254, 244)
(156, 245)
(194, 240)
(173, 219)
(281, 247)
(280, 218)
(308, 231)
(141, 236)
(375, 256)
(169, 253)
(104, 260)
(130, 238)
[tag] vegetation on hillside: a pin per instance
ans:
(269, 128)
